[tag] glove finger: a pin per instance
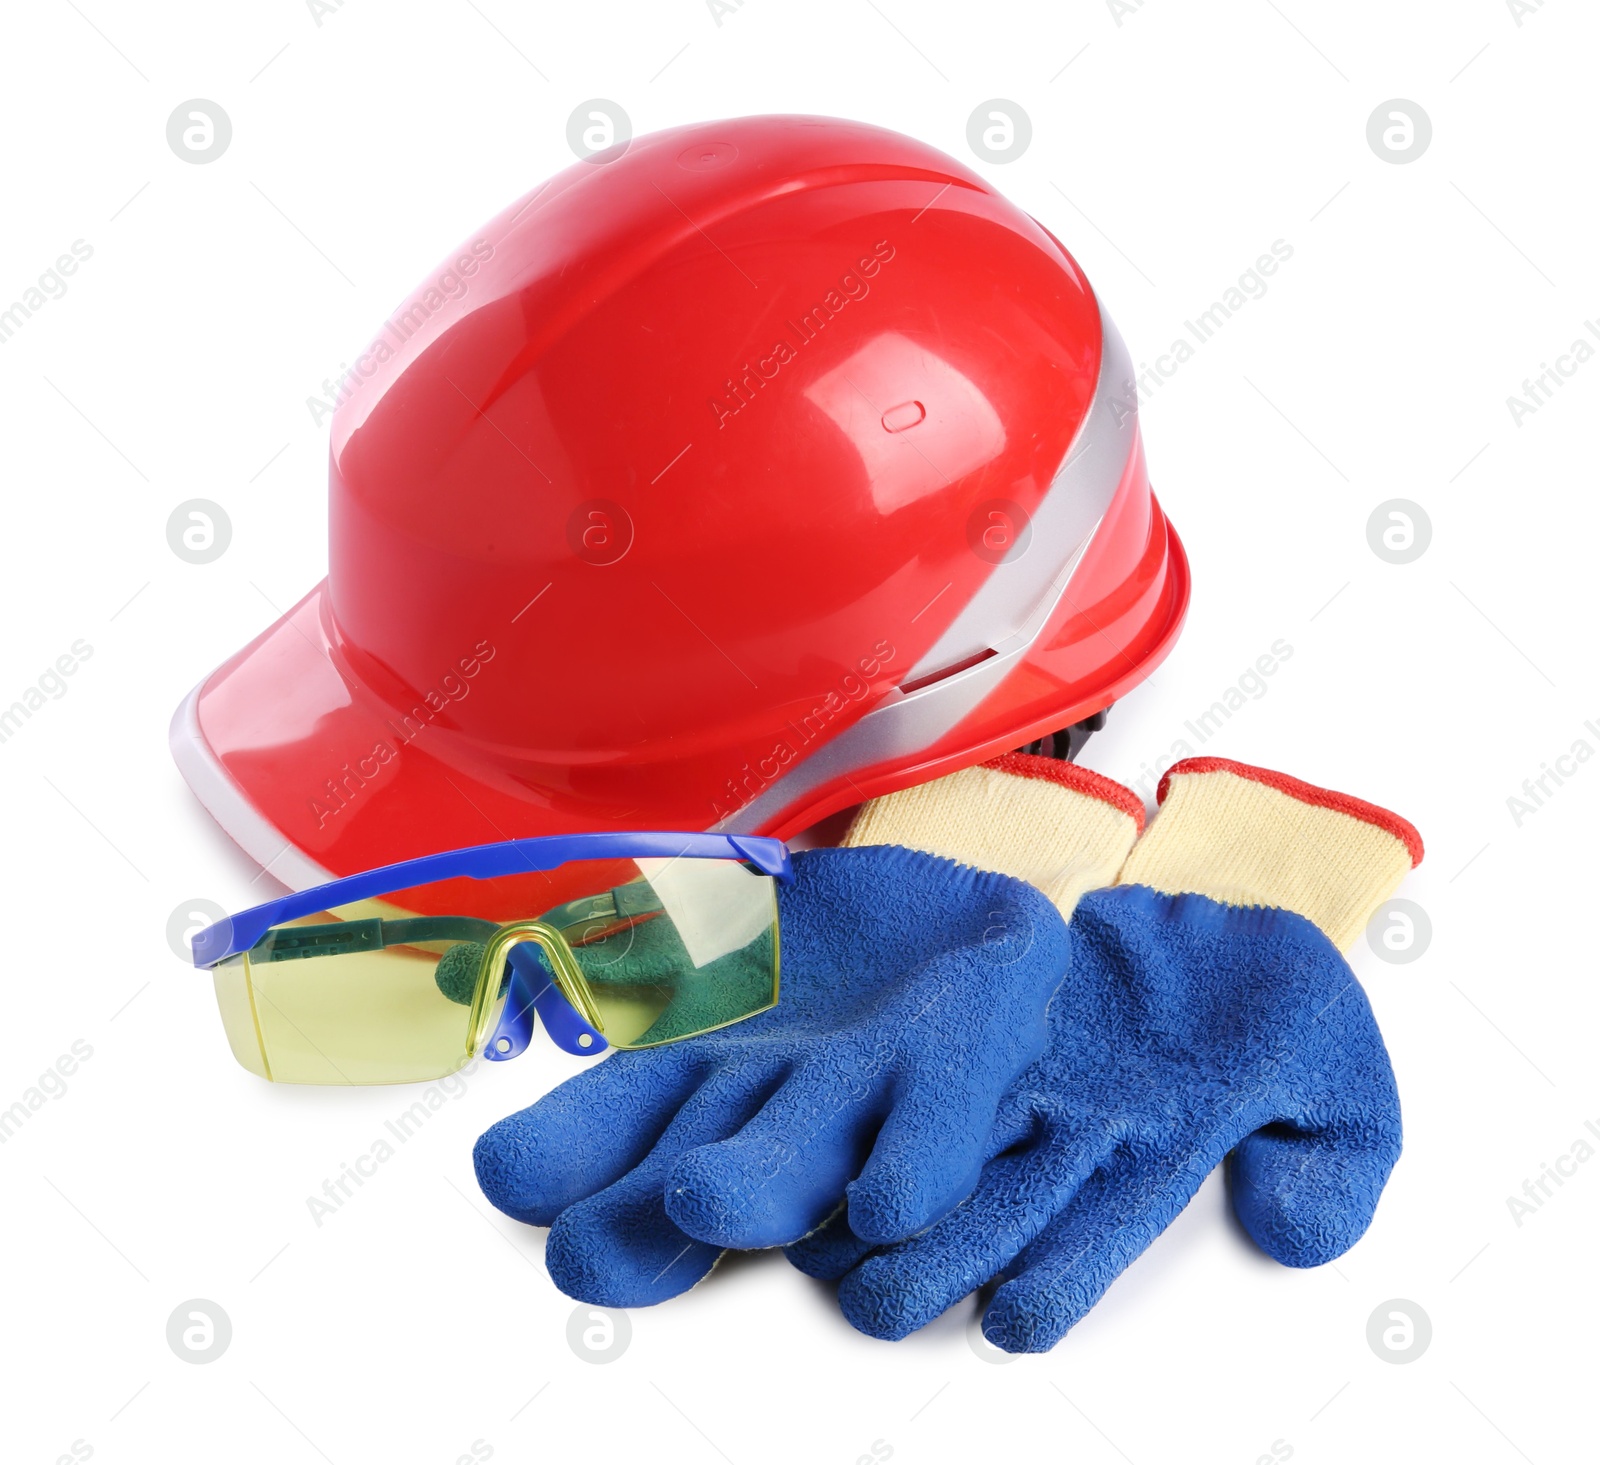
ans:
(834, 1247)
(927, 1158)
(581, 1136)
(829, 1251)
(618, 1247)
(782, 1173)
(1120, 1210)
(1307, 1195)
(901, 1288)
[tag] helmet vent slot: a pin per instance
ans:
(965, 664)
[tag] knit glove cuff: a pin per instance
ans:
(1062, 828)
(1249, 836)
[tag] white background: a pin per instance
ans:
(1168, 151)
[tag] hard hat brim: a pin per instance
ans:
(315, 776)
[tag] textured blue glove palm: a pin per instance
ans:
(1189, 1026)
(1185, 1028)
(914, 993)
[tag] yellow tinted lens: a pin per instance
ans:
(370, 1017)
(704, 957)
(372, 992)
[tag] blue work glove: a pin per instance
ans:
(913, 994)
(1207, 1010)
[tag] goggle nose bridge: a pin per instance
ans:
(554, 988)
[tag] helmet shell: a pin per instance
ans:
(723, 479)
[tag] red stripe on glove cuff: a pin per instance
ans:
(1075, 777)
(1306, 793)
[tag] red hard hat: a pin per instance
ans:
(726, 479)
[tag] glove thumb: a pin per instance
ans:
(1307, 1196)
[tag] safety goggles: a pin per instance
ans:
(403, 974)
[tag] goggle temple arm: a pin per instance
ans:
(533, 990)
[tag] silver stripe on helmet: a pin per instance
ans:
(1005, 616)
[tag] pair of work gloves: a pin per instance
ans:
(959, 1087)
